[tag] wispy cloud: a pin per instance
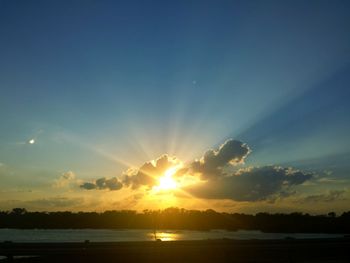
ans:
(65, 180)
(329, 196)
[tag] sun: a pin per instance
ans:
(167, 182)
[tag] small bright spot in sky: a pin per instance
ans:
(32, 141)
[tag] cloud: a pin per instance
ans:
(251, 184)
(103, 183)
(43, 203)
(129, 201)
(148, 173)
(332, 180)
(88, 186)
(56, 202)
(331, 196)
(215, 175)
(65, 180)
(212, 164)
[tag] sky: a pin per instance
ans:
(238, 106)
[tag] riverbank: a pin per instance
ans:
(293, 250)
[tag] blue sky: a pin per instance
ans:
(106, 85)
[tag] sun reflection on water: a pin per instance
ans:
(165, 236)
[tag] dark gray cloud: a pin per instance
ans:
(88, 186)
(212, 164)
(253, 184)
(103, 183)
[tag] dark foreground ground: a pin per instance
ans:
(316, 250)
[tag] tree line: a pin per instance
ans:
(177, 218)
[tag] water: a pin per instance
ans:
(108, 235)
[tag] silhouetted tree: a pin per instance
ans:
(176, 218)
